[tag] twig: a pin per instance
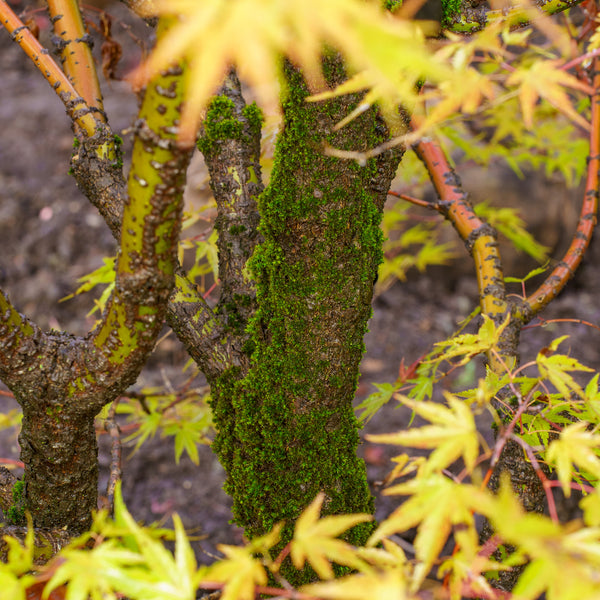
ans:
(116, 472)
(75, 50)
(413, 200)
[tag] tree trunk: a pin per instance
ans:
(61, 478)
(286, 428)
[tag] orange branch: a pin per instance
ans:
(479, 236)
(564, 270)
(75, 50)
(77, 108)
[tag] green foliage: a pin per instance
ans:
(184, 415)
(104, 275)
(520, 105)
(376, 400)
(206, 262)
(500, 133)
(16, 573)
(206, 258)
(129, 559)
(409, 246)
(508, 222)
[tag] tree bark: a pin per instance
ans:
(62, 381)
(286, 428)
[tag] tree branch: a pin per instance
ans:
(230, 142)
(77, 108)
(147, 260)
(565, 269)
(19, 338)
(75, 47)
(481, 241)
(97, 168)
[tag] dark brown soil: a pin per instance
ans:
(51, 236)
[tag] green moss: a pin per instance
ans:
(237, 229)
(221, 123)
(450, 11)
(16, 513)
(254, 116)
(392, 5)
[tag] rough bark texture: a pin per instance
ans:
(527, 485)
(287, 430)
(62, 381)
(230, 142)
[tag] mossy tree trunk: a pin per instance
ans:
(286, 426)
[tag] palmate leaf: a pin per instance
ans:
(387, 585)
(315, 540)
(132, 561)
(452, 434)
(591, 413)
(436, 504)
(375, 401)
(253, 35)
(544, 79)
(465, 98)
(574, 447)
(548, 545)
(469, 345)
(241, 570)
(85, 571)
(556, 367)
(508, 222)
(104, 275)
(15, 574)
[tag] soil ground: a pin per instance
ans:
(50, 236)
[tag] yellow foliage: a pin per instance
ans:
(253, 35)
(316, 540)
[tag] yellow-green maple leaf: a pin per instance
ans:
(575, 446)
(555, 368)
(386, 585)
(436, 504)
(453, 433)
(469, 345)
(254, 35)
(544, 79)
(315, 540)
(464, 92)
(240, 571)
(553, 551)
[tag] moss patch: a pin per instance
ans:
(15, 515)
(222, 123)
